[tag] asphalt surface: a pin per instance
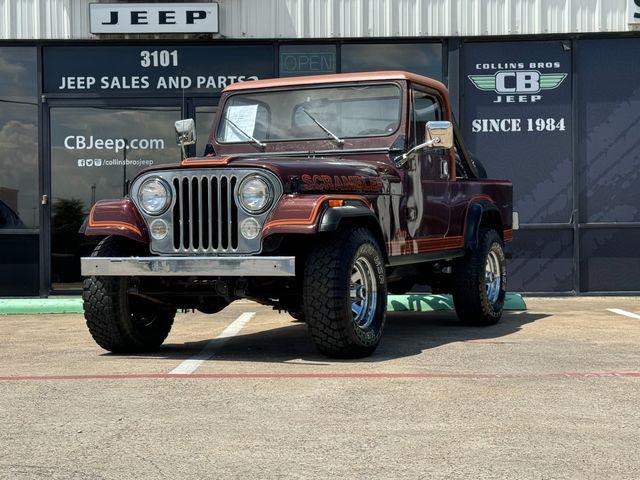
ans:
(553, 392)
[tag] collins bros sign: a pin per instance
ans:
(518, 82)
(517, 121)
(154, 17)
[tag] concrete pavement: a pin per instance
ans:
(552, 392)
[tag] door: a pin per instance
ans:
(95, 149)
(430, 173)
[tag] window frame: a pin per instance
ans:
(317, 87)
(412, 88)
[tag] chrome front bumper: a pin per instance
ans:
(189, 266)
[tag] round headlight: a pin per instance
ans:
(255, 194)
(154, 196)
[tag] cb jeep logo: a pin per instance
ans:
(517, 85)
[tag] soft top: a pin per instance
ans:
(337, 78)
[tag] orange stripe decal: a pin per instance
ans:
(314, 213)
(112, 224)
(220, 161)
(508, 234)
(426, 244)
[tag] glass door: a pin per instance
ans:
(19, 180)
(94, 151)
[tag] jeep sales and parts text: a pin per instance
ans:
(151, 59)
(517, 83)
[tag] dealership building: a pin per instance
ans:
(546, 93)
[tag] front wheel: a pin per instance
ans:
(118, 321)
(345, 294)
(480, 281)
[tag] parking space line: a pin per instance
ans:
(620, 311)
(191, 364)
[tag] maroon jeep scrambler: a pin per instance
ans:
(316, 195)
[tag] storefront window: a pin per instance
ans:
(297, 60)
(18, 138)
(94, 152)
(608, 151)
(421, 58)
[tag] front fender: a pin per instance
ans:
(296, 213)
(116, 217)
(332, 216)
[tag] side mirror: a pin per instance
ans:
(185, 132)
(439, 134)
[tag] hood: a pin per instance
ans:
(346, 174)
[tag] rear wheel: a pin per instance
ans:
(480, 281)
(345, 294)
(118, 321)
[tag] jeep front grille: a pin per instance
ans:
(205, 214)
(204, 217)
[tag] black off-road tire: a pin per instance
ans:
(472, 303)
(118, 322)
(326, 294)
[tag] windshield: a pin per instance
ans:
(311, 114)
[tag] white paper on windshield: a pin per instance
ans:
(244, 117)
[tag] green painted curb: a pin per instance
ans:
(31, 306)
(421, 302)
(416, 302)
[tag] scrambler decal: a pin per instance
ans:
(341, 183)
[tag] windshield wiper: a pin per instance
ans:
(338, 140)
(260, 144)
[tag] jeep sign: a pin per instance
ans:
(154, 17)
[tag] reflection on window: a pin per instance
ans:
(425, 110)
(204, 122)
(18, 138)
(421, 58)
(94, 153)
(305, 114)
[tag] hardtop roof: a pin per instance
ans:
(337, 78)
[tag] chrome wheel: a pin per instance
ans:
(493, 276)
(363, 293)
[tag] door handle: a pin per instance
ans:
(44, 200)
